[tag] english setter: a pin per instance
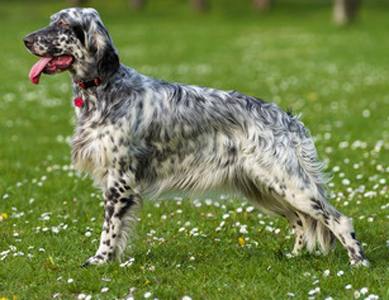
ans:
(136, 134)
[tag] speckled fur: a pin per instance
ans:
(136, 134)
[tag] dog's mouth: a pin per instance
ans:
(50, 65)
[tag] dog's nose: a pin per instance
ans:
(28, 41)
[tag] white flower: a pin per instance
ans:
(243, 230)
(250, 208)
(291, 294)
(340, 273)
(70, 280)
(348, 287)
(314, 291)
(326, 273)
(186, 298)
(147, 295)
(364, 290)
(343, 144)
(357, 294)
(366, 113)
(104, 290)
(81, 297)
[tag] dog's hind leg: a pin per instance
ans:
(264, 197)
(301, 200)
(295, 221)
(321, 221)
(122, 208)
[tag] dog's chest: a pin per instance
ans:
(96, 146)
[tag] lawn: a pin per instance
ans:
(214, 246)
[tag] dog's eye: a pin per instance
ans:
(63, 24)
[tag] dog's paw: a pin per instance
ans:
(360, 263)
(94, 261)
(295, 253)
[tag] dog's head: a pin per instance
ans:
(75, 40)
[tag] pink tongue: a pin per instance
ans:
(63, 60)
(37, 69)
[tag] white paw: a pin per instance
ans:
(94, 260)
(360, 263)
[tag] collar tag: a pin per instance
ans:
(78, 102)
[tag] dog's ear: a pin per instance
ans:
(108, 56)
(80, 34)
(101, 46)
(109, 61)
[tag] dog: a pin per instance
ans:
(136, 135)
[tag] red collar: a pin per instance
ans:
(88, 84)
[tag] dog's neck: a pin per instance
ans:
(89, 92)
(92, 73)
(89, 81)
(87, 84)
(85, 74)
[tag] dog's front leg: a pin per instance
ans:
(122, 208)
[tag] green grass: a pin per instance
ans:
(337, 78)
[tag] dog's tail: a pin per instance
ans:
(316, 233)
